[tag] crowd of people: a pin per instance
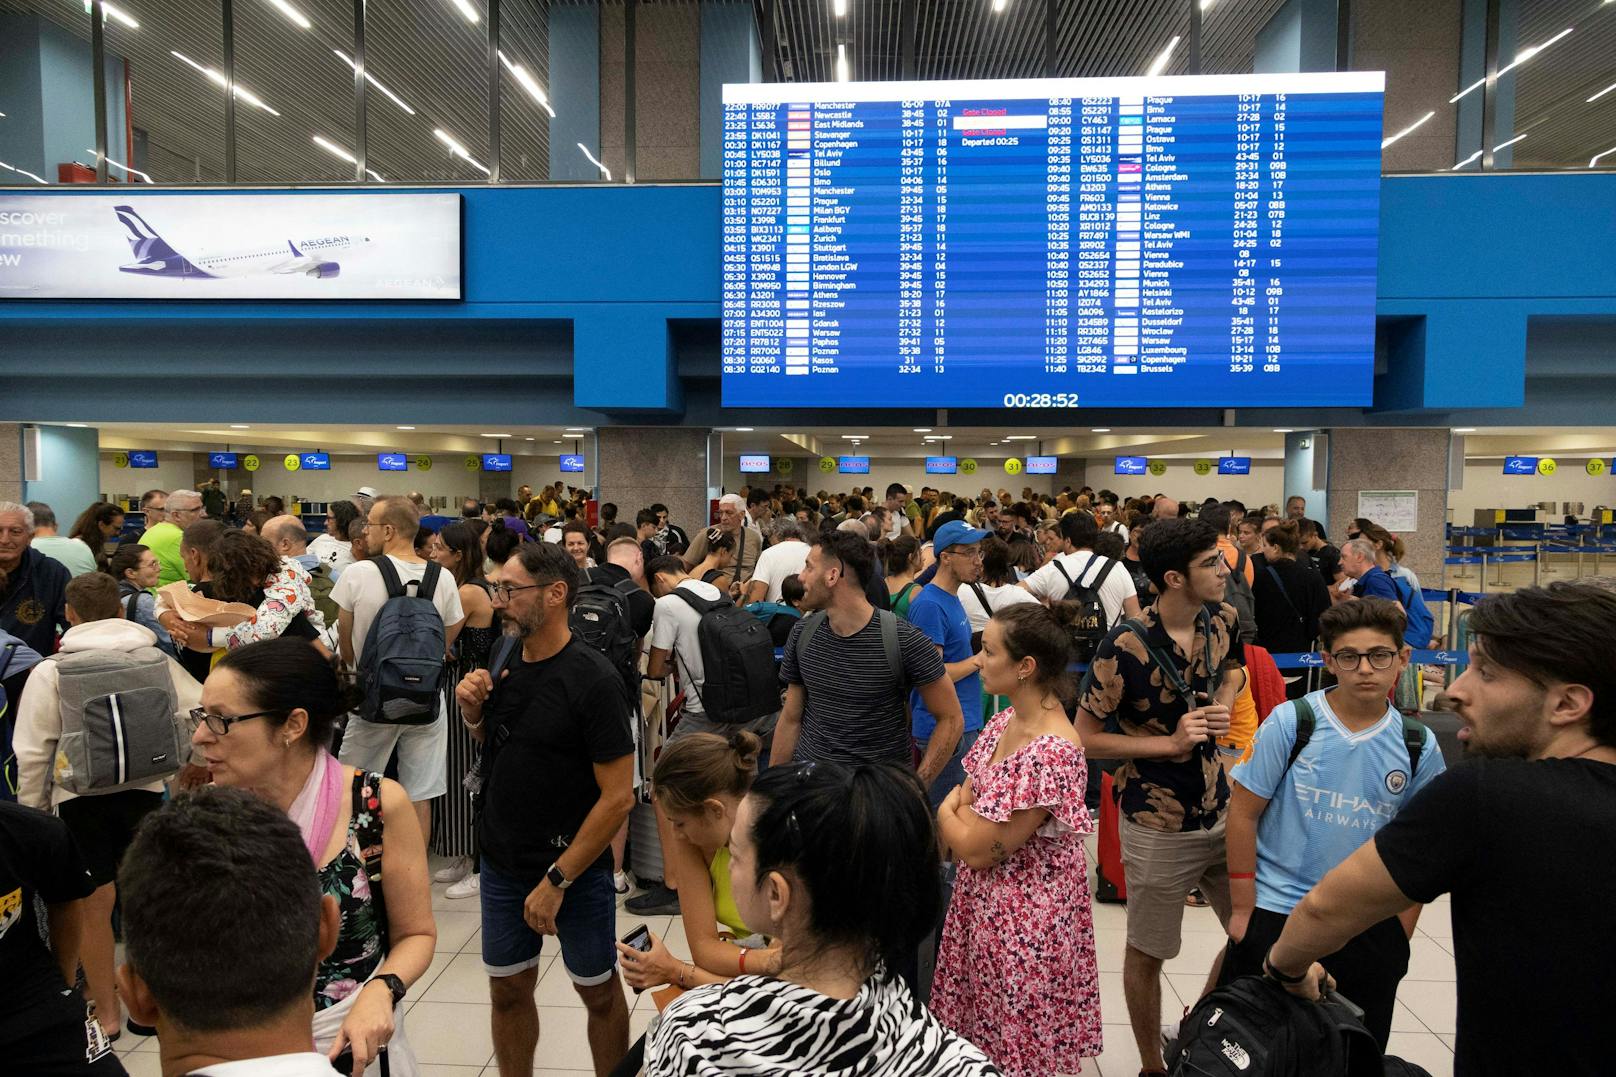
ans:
(872, 732)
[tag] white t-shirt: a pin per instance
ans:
(999, 598)
(308, 1064)
(1048, 583)
(335, 553)
(362, 592)
(673, 628)
(777, 562)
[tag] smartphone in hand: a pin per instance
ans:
(639, 939)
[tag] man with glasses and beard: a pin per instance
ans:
(1523, 838)
(557, 782)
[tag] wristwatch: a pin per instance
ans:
(557, 880)
(395, 986)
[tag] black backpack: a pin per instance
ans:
(1087, 622)
(1253, 1027)
(740, 681)
(600, 617)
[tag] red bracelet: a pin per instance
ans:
(743, 961)
(1242, 875)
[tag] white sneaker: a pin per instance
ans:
(620, 882)
(454, 871)
(465, 888)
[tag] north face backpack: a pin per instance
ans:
(401, 666)
(1083, 611)
(120, 726)
(1253, 1027)
(601, 617)
(740, 682)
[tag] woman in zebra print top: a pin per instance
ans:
(840, 864)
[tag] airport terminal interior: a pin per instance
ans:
(760, 307)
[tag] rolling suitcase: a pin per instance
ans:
(1110, 886)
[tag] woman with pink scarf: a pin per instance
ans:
(267, 715)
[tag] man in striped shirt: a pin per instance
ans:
(848, 667)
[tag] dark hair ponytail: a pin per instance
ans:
(288, 674)
(862, 842)
(1031, 631)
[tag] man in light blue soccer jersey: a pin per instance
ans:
(1325, 773)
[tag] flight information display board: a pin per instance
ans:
(1121, 242)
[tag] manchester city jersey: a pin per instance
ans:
(1341, 789)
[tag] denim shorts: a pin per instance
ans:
(586, 926)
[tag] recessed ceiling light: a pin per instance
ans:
(1283, 430)
(922, 429)
(577, 429)
(403, 428)
(853, 437)
(527, 439)
(558, 443)
(78, 426)
(496, 435)
(240, 426)
(1456, 430)
(1101, 430)
(1021, 437)
(743, 429)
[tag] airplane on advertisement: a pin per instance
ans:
(291, 257)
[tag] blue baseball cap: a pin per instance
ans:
(957, 533)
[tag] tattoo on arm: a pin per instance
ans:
(999, 852)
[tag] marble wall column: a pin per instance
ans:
(642, 465)
(11, 462)
(1394, 459)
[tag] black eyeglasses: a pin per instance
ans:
(1380, 658)
(504, 591)
(221, 723)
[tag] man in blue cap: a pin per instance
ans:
(938, 613)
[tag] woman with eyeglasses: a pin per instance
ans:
(840, 865)
(267, 715)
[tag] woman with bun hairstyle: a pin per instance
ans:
(1016, 969)
(840, 864)
(699, 782)
(265, 724)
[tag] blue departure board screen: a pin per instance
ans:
(1126, 242)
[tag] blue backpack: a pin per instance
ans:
(1421, 624)
(401, 665)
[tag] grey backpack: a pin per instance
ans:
(401, 666)
(120, 726)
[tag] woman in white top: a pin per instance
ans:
(997, 588)
(335, 547)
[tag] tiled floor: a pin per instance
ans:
(448, 1016)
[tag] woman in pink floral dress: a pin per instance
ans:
(1016, 971)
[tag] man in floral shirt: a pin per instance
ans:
(1165, 722)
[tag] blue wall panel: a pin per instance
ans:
(1468, 265)
(69, 472)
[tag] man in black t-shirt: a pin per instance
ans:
(558, 777)
(43, 1028)
(1325, 558)
(1523, 838)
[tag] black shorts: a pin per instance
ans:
(104, 826)
(1367, 969)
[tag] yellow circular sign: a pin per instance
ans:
(1546, 466)
(1203, 467)
(827, 464)
(422, 463)
(1158, 467)
(1012, 466)
(783, 466)
(1596, 466)
(473, 463)
(120, 459)
(967, 467)
(250, 462)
